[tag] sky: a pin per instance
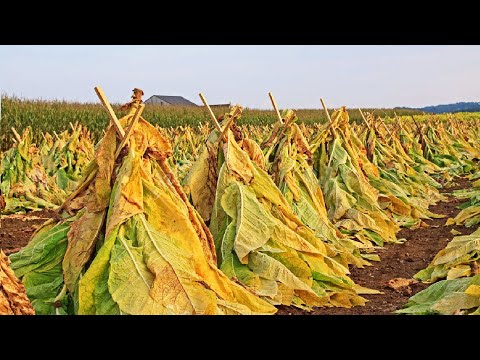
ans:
(354, 76)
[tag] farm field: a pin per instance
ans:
(306, 213)
(50, 116)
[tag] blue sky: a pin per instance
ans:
(355, 76)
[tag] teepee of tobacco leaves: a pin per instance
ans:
(443, 149)
(447, 149)
(13, 300)
(187, 143)
(128, 241)
(385, 173)
(412, 144)
(65, 157)
(353, 204)
(289, 162)
(406, 190)
(456, 268)
(185, 148)
(24, 182)
(457, 136)
(259, 239)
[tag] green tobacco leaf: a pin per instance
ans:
(443, 297)
(200, 181)
(91, 287)
(39, 266)
(253, 224)
(62, 179)
(42, 288)
(219, 219)
(269, 268)
(337, 199)
(130, 280)
(44, 251)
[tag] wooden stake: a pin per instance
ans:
(275, 107)
(394, 130)
(79, 189)
(328, 117)
(212, 115)
(17, 136)
(416, 124)
(129, 132)
(89, 177)
(385, 126)
(111, 113)
(363, 118)
(227, 125)
(124, 138)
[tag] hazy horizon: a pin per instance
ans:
(354, 76)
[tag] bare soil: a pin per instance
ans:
(400, 261)
(16, 230)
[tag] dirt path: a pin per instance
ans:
(400, 261)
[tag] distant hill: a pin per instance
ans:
(448, 108)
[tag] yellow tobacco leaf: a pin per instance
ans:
(292, 239)
(459, 271)
(82, 238)
(463, 215)
(127, 194)
(398, 206)
(272, 269)
(254, 152)
(473, 290)
(146, 136)
(347, 300)
(200, 183)
(238, 161)
(100, 189)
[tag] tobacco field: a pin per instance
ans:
(307, 212)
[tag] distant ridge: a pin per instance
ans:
(448, 108)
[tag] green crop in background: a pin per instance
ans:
(48, 116)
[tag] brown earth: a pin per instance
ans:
(400, 261)
(16, 230)
(397, 260)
